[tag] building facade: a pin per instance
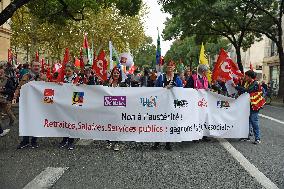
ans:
(5, 33)
(252, 57)
(271, 64)
(263, 57)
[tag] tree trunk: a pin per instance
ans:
(281, 76)
(239, 58)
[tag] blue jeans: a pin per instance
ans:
(254, 123)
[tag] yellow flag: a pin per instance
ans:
(204, 60)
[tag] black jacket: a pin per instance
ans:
(9, 89)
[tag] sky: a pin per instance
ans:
(154, 19)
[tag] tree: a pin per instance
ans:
(187, 50)
(226, 18)
(126, 32)
(145, 56)
(268, 22)
(60, 11)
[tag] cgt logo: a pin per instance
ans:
(48, 96)
(223, 104)
(78, 98)
(149, 102)
(202, 103)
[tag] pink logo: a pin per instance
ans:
(202, 103)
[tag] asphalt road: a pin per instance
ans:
(136, 165)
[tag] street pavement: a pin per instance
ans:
(136, 165)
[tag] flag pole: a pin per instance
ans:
(110, 56)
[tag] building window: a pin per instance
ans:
(273, 49)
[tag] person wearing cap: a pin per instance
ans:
(252, 87)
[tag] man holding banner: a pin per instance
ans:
(168, 80)
(257, 101)
(33, 75)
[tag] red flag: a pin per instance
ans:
(100, 66)
(82, 65)
(77, 63)
(48, 74)
(85, 42)
(37, 57)
(86, 53)
(65, 61)
(42, 65)
(10, 56)
(225, 68)
(132, 69)
(162, 61)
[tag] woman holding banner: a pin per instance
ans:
(168, 80)
(199, 81)
(115, 80)
(69, 77)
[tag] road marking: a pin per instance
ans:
(250, 168)
(271, 118)
(47, 178)
(84, 142)
(275, 107)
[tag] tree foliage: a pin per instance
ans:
(225, 18)
(61, 11)
(145, 56)
(187, 50)
(268, 22)
(126, 32)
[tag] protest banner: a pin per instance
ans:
(130, 114)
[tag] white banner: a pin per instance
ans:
(130, 114)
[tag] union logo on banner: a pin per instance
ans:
(180, 103)
(150, 102)
(48, 96)
(223, 104)
(78, 98)
(202, 103)
(115, 101)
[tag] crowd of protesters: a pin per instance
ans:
(11, 80)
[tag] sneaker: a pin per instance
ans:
(34, 145)
(63, 144)
(206, 139)
(244, 139)
(23, 145)
(257, 142)
(109, 145)
(71, 146)
(5, 132)
(155, 147)
(116, 147)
